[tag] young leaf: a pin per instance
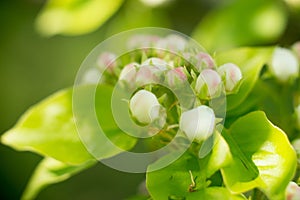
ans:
(240, 24)
(175, 182)
(74, 17)
(49, 128)
(255, 141)
(250, 61)
(51, 171)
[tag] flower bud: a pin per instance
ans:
(144, 106)
(157, 62)
(176, 77)
(175, 42)
(232, 75)
(128, 73)
(209, 79)
(198, 124)
(203, 61)
(293, 191)
(106, 61)
(284, 64)
(142, 41)
(148, 74)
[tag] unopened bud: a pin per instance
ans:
(284, 64)
(144, 107)
(175, 42)
(147, 75)
(203, 61)
(176, 77)
(208, 83)
(157, 62)
(293, 191)
(198, 124)
(232, 75)
(106, 61)
(128, 73)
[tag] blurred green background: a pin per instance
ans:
(33, 66)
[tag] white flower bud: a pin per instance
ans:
(147, 74)
(203, 61)
(198, 123)
(293, 191)
(297, 113)
(211, 79)
(284, 64)
(106, 61)
(176, 77)
(142, 41)
(157, 62)
(144, 106)
(232, 75)
(175, 42)
(128, 73)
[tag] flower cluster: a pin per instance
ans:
(170, 60)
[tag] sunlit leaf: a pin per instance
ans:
(174, 182)
(238, 24)
(49, 128)
(74, 17)
(51, 171)
(256, 144)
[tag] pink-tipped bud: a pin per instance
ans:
(128, 73)
(142, 41)
(144, 107)
(198, 124)
(107, 61)
(208, 83)
(293, 191)
(203, 61)
(147, 75)
(176, 77)
(232, 75)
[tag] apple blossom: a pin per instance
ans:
(106, 61)
(211, 79)
(293, 191)
(144, 106)
(232, 75)
(198, 124)
(284, 64)
(128, 73)
(157, 62)
(176, 77)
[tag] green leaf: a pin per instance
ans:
(74, 17)
(240, 24)
(251, 62)
(255, 141)
(51, 171)
(49, 128)
(174, 182)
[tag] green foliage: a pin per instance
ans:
(185, 179)
(74, 17)
(51, 171)
(239, 24)
(262, 156)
